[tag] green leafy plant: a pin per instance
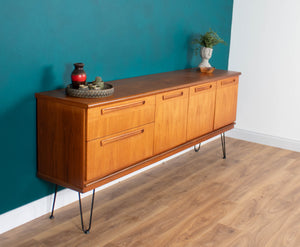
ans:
(209, 39)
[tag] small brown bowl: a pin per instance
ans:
(207, 69)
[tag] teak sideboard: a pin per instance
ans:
(84, 143)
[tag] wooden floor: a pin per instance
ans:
(198, 199)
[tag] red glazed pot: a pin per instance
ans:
(78, 75)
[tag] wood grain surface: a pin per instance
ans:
(201, 111)
(170, 119)
(198, 199)
(160, 98)
(107, 120)
(113, 153)
(135, 87)
(61, 142)
(226, 102)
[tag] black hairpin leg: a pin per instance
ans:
(86, 231)
(54, 199)
(223, 145)
(196, 149)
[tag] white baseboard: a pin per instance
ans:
(269, 140)
(40, 207)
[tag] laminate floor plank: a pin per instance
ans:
(252, 198)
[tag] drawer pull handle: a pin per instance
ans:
(227, 82)
(121, 137)
(171, 96)
(122, 107)
(198, 89)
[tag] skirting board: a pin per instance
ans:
(40, 207)
(269, 140)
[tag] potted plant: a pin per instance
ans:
(205, 43)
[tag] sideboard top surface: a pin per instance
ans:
(134, 87)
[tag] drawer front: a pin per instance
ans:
(113, 153)
(113, 118)
(201, 110)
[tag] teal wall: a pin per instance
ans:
(114, 38)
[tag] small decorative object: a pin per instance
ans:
(99, 82)
(83, 87)
(94, 92)
(205, 53)
(78, 75)
(95, 89)
(206, 43)
(207, 69)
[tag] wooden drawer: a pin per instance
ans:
(113, 118)
(201, 110)
(116, 152)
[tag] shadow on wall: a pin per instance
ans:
(48, 79)
(18, 139)
(191, 58)
(19, 159)
(190, 52)
(67, 74)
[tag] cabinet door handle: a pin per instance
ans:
(198, 89)
(121, 137)
(227, 82)
(171, 96)
(122, 107)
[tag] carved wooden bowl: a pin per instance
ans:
(207, 69)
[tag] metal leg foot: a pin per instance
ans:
(196, 149)
(223, 145)
(86, 231)
(54, 199)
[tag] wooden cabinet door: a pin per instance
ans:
(170, 119)
(226, 102)
(116, 152)
(201, 110)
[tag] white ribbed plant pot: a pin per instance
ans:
(205, 54)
